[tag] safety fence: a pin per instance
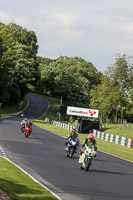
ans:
(127, 142)
(63, 125)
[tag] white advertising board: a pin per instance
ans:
(82, 112)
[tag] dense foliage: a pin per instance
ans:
(69, 78)
(18, 49)
(115, 91)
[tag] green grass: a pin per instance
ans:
(20, 186)
(112, 129)
(8, 110)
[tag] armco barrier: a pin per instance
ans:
(127, 142)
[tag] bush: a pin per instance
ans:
(15, 95)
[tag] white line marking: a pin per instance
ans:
(32, 178)
(2, 152)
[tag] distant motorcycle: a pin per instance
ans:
(87, 156)
(28, 130)
(71, 147)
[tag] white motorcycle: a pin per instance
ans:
(87, 156)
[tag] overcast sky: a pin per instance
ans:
(96, 30)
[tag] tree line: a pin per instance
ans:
(73, 79)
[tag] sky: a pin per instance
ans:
(95, 30)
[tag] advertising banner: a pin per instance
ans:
(82, 112)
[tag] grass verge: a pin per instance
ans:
(9, 110)
(127, 132)
(20, 186)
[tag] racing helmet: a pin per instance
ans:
(73, 131)
(91, 137)
(22, 115)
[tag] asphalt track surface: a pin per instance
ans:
(42, 155)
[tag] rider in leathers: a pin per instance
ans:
(23, 124)
(88, 141)
(71, 136)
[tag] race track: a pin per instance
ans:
(42, 155)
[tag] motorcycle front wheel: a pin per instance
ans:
(71, 152)
(26, 135)
(67, 153)
(87, 165)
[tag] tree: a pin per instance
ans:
(114, 88)
(71, 78)
(101, 98)
(120, 75)
(13, 33)
(18, 59)
(3, 77)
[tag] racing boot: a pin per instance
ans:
(80, 159)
